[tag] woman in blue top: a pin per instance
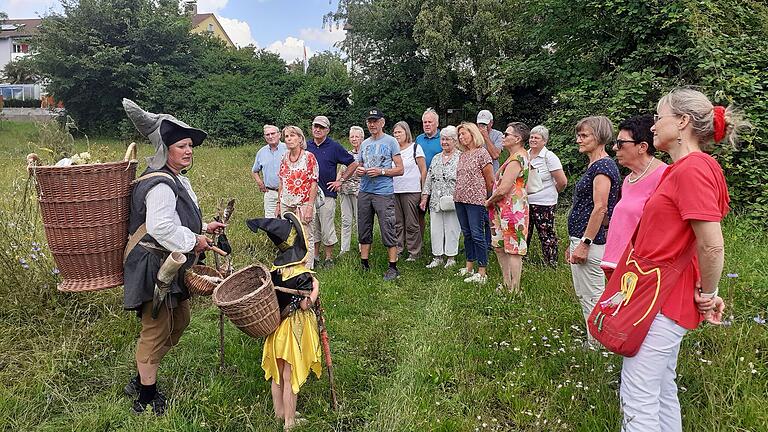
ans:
(594, 197)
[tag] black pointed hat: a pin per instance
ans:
(287, 234)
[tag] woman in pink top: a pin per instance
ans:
(634, 150)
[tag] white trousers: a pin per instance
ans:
(588, 279)
(444, 231)
(324, 224)
(270, 204)
(648, 389)
(348, 219)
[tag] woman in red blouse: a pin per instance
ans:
(298, 183)
(682, 216)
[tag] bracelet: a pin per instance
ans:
(709, 295)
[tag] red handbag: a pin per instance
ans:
(632, 298)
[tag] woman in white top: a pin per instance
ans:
(408, 192)
(542, 204)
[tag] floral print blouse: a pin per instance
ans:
(297, 178)
(441, 179)
(470, 183)
(352, 185)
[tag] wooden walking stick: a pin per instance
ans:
(326, 352)
(223, 217)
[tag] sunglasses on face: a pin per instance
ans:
(621, 142)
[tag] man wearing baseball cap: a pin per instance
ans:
(329, 154)
(379, 160)
(491, 136)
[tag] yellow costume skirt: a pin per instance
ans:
(297, 342)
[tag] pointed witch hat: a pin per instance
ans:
(162, 130)
(288, 235)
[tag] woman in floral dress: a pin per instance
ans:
(298, 183)
(508, 207)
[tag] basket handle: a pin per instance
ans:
(130, 153)
(33, 160)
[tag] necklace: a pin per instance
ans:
(290, 159)
(629, 177)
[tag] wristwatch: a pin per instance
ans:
(586, 240)
(382, 172)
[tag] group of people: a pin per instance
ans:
(656, 215)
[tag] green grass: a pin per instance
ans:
(424, 353)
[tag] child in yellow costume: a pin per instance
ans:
(293, 350)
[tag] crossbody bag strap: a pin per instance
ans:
(133, 240)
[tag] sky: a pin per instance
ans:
(281, 26)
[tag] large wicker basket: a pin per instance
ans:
(196, 283)
(85, 211)
(248, 299)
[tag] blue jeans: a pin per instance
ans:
(473, 220)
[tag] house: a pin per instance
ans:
(15, 35)
(206, 23)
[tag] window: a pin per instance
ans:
(20, 48)
(210, 28)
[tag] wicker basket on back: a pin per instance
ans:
(85, 211)
(248, 299)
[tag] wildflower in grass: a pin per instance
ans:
(35, 247)
(732, 275)
(55, 271)
(33, 257)
(758, 319)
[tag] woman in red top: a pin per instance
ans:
(681, 216)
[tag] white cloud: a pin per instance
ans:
(238, 31)
(323, 36)
(290, 49)
(208, 6)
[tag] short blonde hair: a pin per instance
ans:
(404, 126)
(297, 130)
(477, 137)
(601, 126)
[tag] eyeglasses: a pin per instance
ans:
(656, 117)
(583, 135)
(508, 134)
(621, 142)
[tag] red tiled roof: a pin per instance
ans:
(28, 27)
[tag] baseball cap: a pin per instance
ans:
(374, 113)
(322, 121)
(484, 117)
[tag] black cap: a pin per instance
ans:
(171, 133)
(374, 113)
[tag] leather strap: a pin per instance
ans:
(154, 174)
(136, 237)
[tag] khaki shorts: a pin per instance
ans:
(159, 335)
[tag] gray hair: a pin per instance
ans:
(406, 128)
(542, 131)
(269, 126)
(357, 129)
(601, 126)
(695, 105)
(297, 130)
(450, 132)
(431, 111)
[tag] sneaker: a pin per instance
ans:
(465, 272)
(391, 274)
(328, 263)
(436, 261)
(157, 404)
(476, 278)
(411, 258)
(132, 388)
(450, 262)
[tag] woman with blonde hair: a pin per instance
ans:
(689, 203)
(349, 189)
(474, 183)
(298, 183)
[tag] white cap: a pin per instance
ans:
(484, 117)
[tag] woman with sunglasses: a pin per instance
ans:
(681, 218)
(635, 151)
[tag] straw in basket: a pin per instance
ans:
(85, 210)
(248, 299)
(200, 279)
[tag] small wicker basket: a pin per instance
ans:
(198, 284)
(248, 299)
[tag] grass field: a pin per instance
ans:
(425, 353)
